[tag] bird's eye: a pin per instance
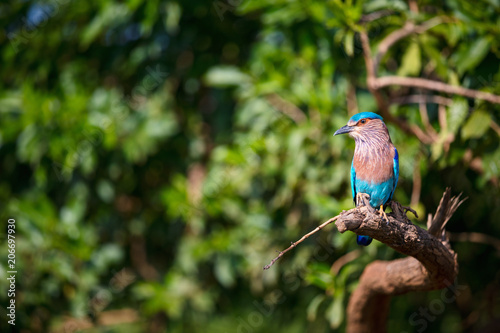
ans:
(362, 121)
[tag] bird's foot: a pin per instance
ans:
(383, 214)
(363, 199)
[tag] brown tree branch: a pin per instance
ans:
(367, 53)
(381, 103)
(413, 6)
(416, 82)
(417, 99)
(417, 183)
(375, 83)
(107, 318)
(352, 103)
(431, 265)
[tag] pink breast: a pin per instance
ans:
(376, 167)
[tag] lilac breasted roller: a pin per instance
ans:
(375, 165)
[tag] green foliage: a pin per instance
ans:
(477, 125)
(411, 63)
(155, 154)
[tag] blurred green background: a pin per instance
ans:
(156, 154)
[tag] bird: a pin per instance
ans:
(375, 164)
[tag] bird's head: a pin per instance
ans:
(362, 125)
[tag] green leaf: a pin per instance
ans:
(471, 57)
(174, 12)
(349, 43)
(335, 312)
(491, 164)
(457, 114)
(476, 125)
(411, 62)
(373, 6)
(111, 15)
(431, 49)
(312, 309)
(224, 271)
(224, 76)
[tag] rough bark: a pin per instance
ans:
(432, 263)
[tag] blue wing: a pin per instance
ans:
(396, 171)
(353, 182)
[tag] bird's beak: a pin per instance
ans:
(343, 130)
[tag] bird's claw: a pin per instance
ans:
(362, 199)
(383, 214)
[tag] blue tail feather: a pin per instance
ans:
(363, 240)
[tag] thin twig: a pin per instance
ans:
(417, 99)
(340, 262)
(375, 15)
(417, 183)
(352, 103)
(370, 81)
(495, 127)
(434, 85)
(370, 69)
(424, 115)
(474, 237)
(408, 29)
(333, 219)
(287, 108)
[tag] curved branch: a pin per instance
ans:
(416, 82)
(418, 99)
(402, 236)
(408, 29)
(495, 127)
(432, 265)
(287, 108)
